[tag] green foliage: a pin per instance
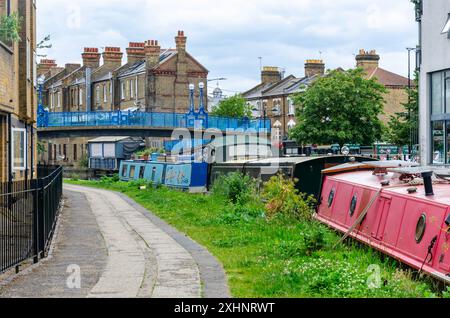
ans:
(10, 28)
(235, 107)
(41, 148)
(283, 198)
(236, 187)
(149, 151)
(280, 258)
(84, 161)
(342, 107)
(404, 126)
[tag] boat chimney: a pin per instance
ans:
(428, 183)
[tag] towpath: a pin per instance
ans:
(108, 246)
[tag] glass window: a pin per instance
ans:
(124, 170)
(438, 142)
(132, 171)
(19, 149)
(448, 141)
(141, 172)
(447, 92)
(436, 94)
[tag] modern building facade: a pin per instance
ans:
(18, 99)
(433, 17)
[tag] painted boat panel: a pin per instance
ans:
(391, 223)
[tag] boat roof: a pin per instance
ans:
(366, 179)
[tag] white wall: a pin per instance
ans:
(435, 57)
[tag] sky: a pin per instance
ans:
(229, 36)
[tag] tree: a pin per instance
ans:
(235, 106)
(403, 128)
(10, 28)
(342, 107)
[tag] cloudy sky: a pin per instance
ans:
(228, 36)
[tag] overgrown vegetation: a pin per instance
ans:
(10, 28)
(267, 249)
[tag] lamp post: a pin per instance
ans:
(410, 49)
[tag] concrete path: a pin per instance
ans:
(135, 254)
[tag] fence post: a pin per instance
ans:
(36, 221)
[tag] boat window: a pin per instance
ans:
(331, 197)
(132, 170)
(141, 173)
(420, 229)
(353, 204)
(124, 170)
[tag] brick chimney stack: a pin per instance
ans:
(135, 52)
(112, 57)
(180, 41)
(91, 57)
(314, 67)
(270, 74)
(152, 53)
(367, 60)
(45, 65)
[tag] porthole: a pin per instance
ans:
(420, 229)
(331, 197)
(353, 205)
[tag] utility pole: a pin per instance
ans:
(410, 49)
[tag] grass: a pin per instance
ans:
(278, 258)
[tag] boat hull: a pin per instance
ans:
(394, 221)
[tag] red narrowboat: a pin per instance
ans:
(396, 208)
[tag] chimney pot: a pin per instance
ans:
(367, 59)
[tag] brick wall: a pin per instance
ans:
(394, 100)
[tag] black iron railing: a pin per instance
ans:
(28, 214)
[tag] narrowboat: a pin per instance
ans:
(394, 207)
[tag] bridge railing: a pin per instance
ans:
(145, 119)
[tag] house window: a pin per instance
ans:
(131, 89)
(29, 59)
(97, 94)
(58, 101)
(19, 149)
(137, 87)
(80, 97)
(122, 93)
(75, 154)
(105, 94)
(291, 107)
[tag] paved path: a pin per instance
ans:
(123, 251)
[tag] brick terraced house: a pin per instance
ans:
(153, 79)
(18, 99)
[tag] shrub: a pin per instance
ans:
(282, 198)
(84, 161)
(236, 187)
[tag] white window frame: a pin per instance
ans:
(122, 90)
(58, 99)
(97, 94)
(80, 96)
(136, 84)
(105, 94)
(13, 154)
(131, 89)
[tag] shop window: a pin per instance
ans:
(438, 142)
